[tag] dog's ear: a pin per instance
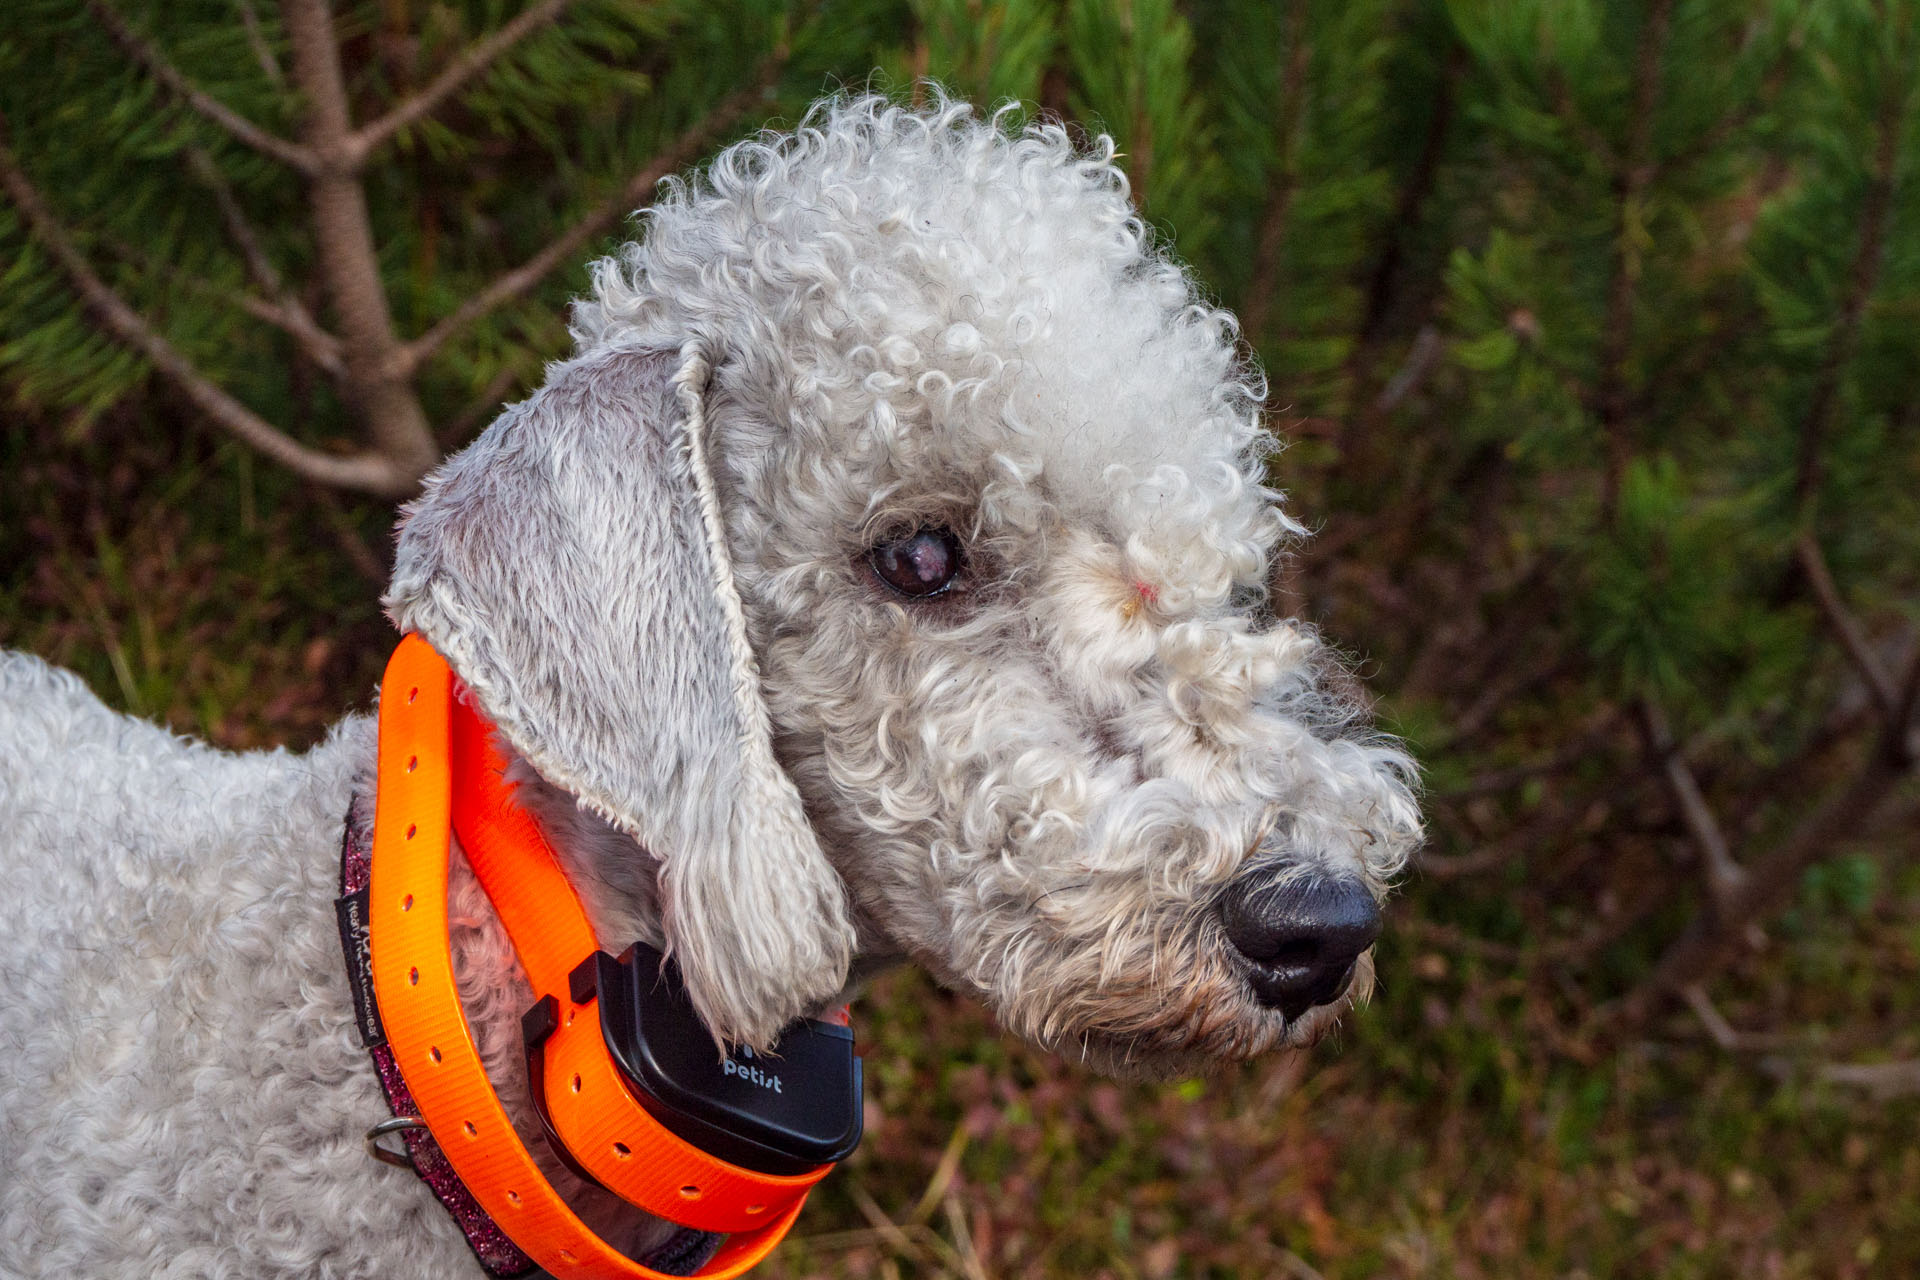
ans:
(572, 567)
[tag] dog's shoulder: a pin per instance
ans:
(42, 705)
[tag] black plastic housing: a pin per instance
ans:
(783, 1112)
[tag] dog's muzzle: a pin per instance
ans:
(1298, 937)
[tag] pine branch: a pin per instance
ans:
(637, 193)
(471, 64)
(257, 41)
(326, 356)
(461, 425)
(366, 471)
(1406, 217)
(377, 378)
(280, 306)
(237, 126)
(1632, 175)
(1264, 280)
(1864, 272)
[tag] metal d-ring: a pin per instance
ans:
(386, 1155)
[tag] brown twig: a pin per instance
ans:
(637, 191)
(365, 471)
(1814, 565)
(1453, 939)
(237, 126)
(1899, 736)
(1422, 356)
(473, 62)
(361, 556)
(1882, 1080)
(1724, 1033)
(1724, 875)
(1847, 809)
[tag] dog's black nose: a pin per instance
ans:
(1300, 935)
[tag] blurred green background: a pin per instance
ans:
(1595, 328)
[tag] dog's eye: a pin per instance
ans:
(924, 563)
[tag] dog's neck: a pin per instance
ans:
(618, 885)
(618, 879)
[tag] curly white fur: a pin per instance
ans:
(655, 577)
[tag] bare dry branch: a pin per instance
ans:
(319, 346)
(1724, 1033)
(1814, 565)
(1724, 876)
(1847, 810)
(472, 63)
(236, 125)
(1425, 352)
(259, 266)
(365, 471)
(1900, 728)
(361, 556)
(635, 194)
(1550, 823)
(1485, 859)
(1883, 1080)
(1577, 748)
(1383, 280)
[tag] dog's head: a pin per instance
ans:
(889, 564)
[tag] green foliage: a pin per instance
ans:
(1130, 63)
(989, 53)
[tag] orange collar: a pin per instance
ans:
(440, 775)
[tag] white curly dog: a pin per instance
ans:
(880, 581)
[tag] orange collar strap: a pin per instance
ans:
(440, 774)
